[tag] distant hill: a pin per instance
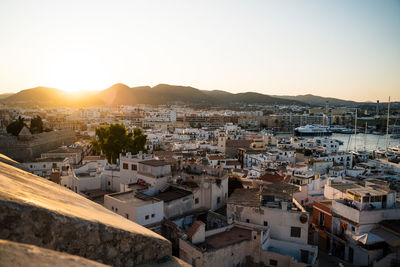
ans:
(121, 94)
(46, 96)
(319, 100)
(249, 98)
(5, 95)
(36, 95)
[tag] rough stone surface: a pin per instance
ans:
(23, 255)
(39, 212)
(167, 262)
(18, 149)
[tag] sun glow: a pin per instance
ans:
(77, 73)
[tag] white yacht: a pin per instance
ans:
(312, 130)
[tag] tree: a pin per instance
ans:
(115, 139)
(36, 125)
(16, 126)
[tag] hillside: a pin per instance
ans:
(319, 100)
(121, 94)
(168, 94)
(5, 95)
(46, 96)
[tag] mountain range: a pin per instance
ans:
(121, 94)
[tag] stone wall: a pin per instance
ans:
(93, 240)
(38, 212)
(17, 254)
(22, 150)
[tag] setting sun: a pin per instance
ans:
(76, 72)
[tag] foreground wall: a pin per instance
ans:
(39, 212)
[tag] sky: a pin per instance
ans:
(343, 48)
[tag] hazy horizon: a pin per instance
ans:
(341, 49)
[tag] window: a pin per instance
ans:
(265, 223)
(152, 215)
(125, 166)
(196, 200)
(218, 200)
(295, 231)
(112, 208)
(247, 220)
(134, 167)
(321, 219)
(116, 209)
(109, 183)
(376, 199)
(147, 217)
(273, 262)
(127, 215)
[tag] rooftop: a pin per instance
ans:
(280, 190)
(172, 193)
(272, 177)
(134, 198)
(248, 196)
(327, 203)
(366, 192)
(343, 187)
(229, 237)
(64, 150)
(154, 163)
(216, 157)
(94, 158)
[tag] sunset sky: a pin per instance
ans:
(342, 48)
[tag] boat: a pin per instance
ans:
(312, 130)
(339, 141)
(341, 130)
(395, 136)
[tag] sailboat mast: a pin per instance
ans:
(355, 132)
(387, 125)
(365, 136)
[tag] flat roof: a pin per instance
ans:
(46, 160)
(172, 193)
(227, 238)
(64, 150)
(154, 163)
(243, 195)
(343, 187)
(367, 192)
(134, 198)
(327, 203)
(280, 190)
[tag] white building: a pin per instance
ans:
(286, 218)
(142, 209)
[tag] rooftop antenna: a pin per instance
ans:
(387, 124)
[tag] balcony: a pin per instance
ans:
(354, 214)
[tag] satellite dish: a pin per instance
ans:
(303, 218)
